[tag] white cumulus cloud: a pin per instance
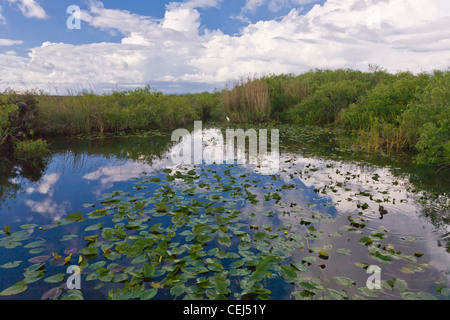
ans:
(30, 8)
(9, 42)
(175, 50)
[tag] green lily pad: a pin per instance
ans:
(344, 281)
(68, 237)
(94, 227)
(110, 202)
(74, 217)
(15, 289)
(11, 265)
(55, 278)
(344, 251)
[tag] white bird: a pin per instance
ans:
(228, 119)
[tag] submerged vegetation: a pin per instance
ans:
(376, 110)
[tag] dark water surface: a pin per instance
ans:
(221, 231)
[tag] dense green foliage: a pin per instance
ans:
(378, 110)
(18, 123)
(6, 111)
(427, 120)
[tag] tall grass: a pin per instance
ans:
(71, 114)
(248, 100)
(139, 109)
(264, 99)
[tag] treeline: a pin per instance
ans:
(379, 110)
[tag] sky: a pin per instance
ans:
(203, 45)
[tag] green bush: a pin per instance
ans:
(386, 101)
(284, 92)
(427, 121)
(434, 144)
(18, 123)
(324, 105)
(7, 111)
(26, 147)
(18, 117)
(207, 106)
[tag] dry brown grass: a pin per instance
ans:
(248, 100)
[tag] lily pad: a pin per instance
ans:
(15, 289)
(74, 217)
(11, 265)
(409, 238)
(39, 259)
(55, 278)
(344, 251)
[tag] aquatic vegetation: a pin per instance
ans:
(217, 232)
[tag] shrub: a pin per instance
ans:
(26, 147)
(7, 111)
(285, 91)
(427, 121)
(386, 101)
(18, 117)
(434, 144)
(323, 106)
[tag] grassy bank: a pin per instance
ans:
(376, 110)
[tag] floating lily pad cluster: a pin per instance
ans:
(205, 233)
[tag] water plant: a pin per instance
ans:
(207, 233)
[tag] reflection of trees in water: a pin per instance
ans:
(80, 153)
(14, 169)
(432, 195)
(436, 209)
(429, 183)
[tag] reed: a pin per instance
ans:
(248, 100)
(139, 109)
(71, 114)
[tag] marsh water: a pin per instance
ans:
(141, 228)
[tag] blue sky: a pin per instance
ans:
(196, 45)
(35, 31)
